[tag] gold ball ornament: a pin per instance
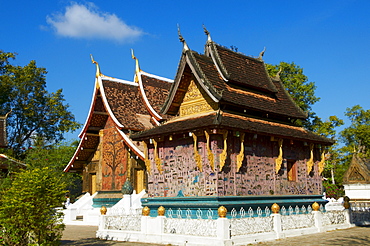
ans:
(161, 211)
(275, 208)
(315, 206)
(103, 210)
(146, 211)
(222, 211)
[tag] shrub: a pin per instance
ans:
(28, 208)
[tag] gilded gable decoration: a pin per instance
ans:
(279, 159)
(197, 157)
(223, 155)
(240, 156)
(209, 152)
(310, 161)
(194, 102)
(157, 160)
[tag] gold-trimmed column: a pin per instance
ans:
(197, 157)
(240, 156)
(310, 161)
(223, 155)
(211, 158)
(322, 161)
(146, 157)
(156, 157)
(279, 159)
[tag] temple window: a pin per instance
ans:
(291, 170)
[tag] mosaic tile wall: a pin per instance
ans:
(257, 176)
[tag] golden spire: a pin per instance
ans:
(98, 73)
(137, 68)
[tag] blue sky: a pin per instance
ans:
(329, 39)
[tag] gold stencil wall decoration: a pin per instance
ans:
(322, 161)
(209, 152)
(240, 156)
(310, 161)
(146, 157)
(156, 157)
(197, 157)
(279, 159)
(223, 155)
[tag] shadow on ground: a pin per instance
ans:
(90, 241)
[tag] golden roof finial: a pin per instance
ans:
(98, 72)
(137, 68)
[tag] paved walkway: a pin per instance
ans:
(85, 235)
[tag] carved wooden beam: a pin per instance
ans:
(279, 159)
(322, 161)
(240, 156)
(158, 161)
(197, 157)
(146, 157)
(310, 161)
(223, 155)
(209, 152)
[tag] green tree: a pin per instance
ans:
(356, 137)
(28, 214)
(55, 157)
(34, 111)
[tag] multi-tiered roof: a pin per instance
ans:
(237, 93)
(132, 106)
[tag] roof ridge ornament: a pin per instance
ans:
(207, 33)
(277, 76)
(137, 68)
(261, 54)
(98, 72)
(181, 38)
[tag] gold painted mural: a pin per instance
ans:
(114, 160)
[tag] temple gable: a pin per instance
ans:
(195, 101)
(358, 171)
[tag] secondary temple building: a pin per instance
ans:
(223, 133)
(356, 179)
(107, 156)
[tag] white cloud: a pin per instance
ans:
(85, 21)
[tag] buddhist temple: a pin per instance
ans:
(222, 133)
(231, 139)
(106, 157)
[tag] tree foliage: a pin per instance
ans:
(28, 214)
(55, 157)
(356, 137)
(33, 111)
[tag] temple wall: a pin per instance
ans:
(256, 176)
